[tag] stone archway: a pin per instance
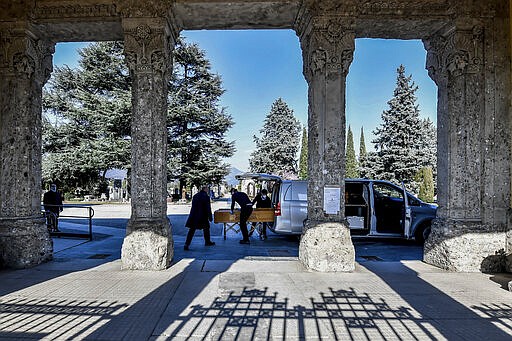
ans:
(467, 57)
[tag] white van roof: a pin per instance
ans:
(258, 177)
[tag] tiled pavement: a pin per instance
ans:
(256, 292)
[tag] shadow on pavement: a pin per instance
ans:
(233, 291)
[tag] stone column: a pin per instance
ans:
(148, 244)
(327, 47)
(25, 65)
(509, 232)
(471, 72)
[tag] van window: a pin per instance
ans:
(386, 191)
(413, 201)
(299, 191)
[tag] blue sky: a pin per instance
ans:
(257, 67)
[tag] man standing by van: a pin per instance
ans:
(262, 200)
(245, 211)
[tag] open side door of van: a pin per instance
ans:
(407, 214)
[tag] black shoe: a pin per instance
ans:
(264, 237)
(245, 242)
(186, 248)
(209, 244)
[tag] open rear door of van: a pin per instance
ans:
(407, 214)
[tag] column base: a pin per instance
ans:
(24, 242)
(466, 246)
(327, 247)
(148, 245)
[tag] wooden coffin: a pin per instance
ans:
(223, 215)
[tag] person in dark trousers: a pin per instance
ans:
(200, 217)
(52, 201)
(245, 211)
(262, 201)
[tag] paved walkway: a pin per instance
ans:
(234, 292)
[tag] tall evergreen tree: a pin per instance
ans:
(303, 160)
(277, 147)
(86, 118)
(197, 124)
(426, 184)
(362, 155)
(350, 157)
(428, 148)
(400, 145)
(362, 146)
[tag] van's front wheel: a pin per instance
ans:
(422, 232)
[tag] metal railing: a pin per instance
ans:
(70, 211)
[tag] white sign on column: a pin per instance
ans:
(332, 199)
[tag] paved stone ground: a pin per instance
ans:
(240, 292)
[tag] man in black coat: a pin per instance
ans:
(52, 201)
(245, 211)
(200, 217)
(262, 200)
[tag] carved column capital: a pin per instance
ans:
(457, 53)
(327, 45)
(148, 45)
(24, 56)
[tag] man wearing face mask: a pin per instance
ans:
(52, 202)
(262, 201)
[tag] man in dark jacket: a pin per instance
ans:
(52, 202)
(245, 211)
(200, 217)
(262, 200)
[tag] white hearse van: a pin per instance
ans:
(372, 207)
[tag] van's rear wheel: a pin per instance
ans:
(422, 232)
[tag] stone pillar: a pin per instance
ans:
(473, 77)
(148, 244)
(25, 65)
(327, 47)
(509, 232)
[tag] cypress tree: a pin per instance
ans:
(426, 181)
(277, 147)
(350, 157)
(362, 146)
(362, 155)
(303, 160)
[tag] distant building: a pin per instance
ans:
(117, 185)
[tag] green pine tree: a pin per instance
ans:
(87, 118)
(303, 160)
(277, 147)
(197, 124)
(350, 157)
(400, 139)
